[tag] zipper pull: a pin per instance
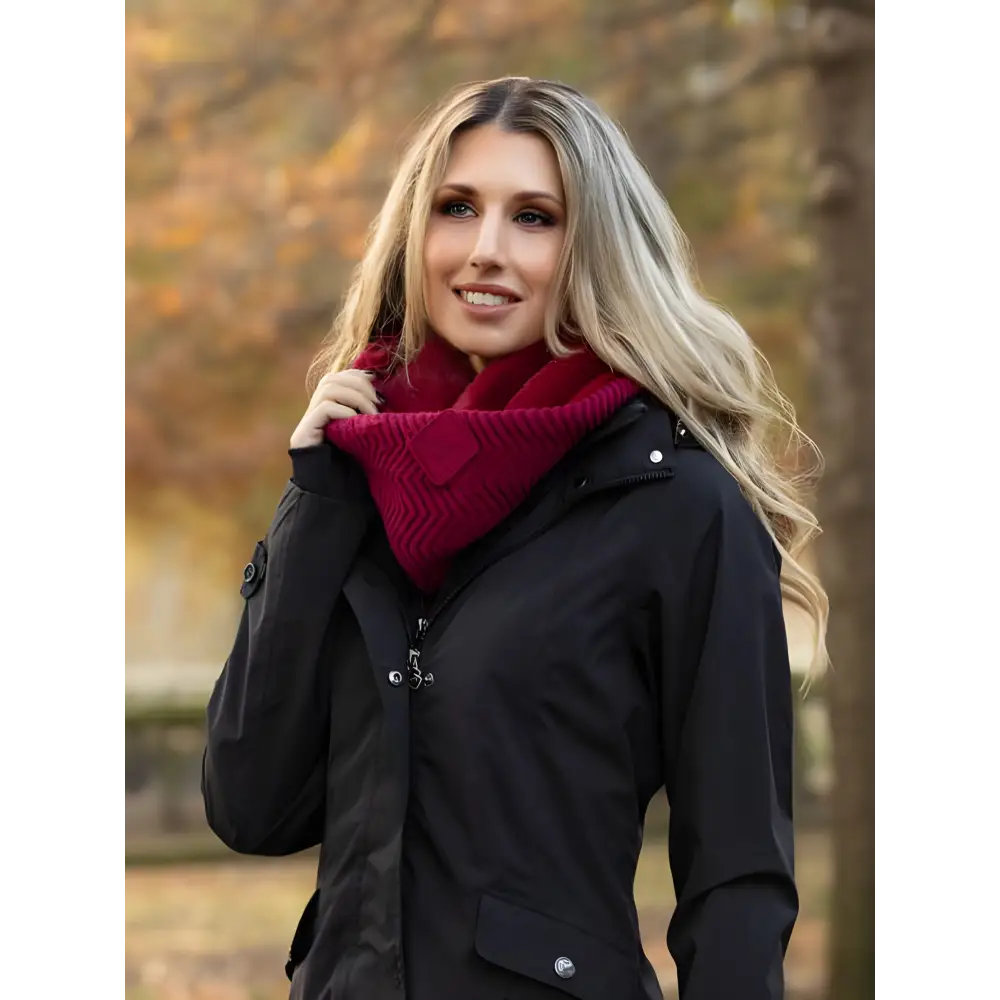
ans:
(422, 626)
(416, 678)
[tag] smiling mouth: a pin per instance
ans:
(485, 298)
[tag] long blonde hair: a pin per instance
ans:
(626, 286)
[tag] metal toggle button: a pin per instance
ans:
(565, 969)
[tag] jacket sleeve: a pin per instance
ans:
(264, 765)
(727, 738)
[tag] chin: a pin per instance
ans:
(488, 345)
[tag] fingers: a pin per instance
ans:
(351, 387)
(338, 396)
(330, 410)
(361, 401)
(353, 377)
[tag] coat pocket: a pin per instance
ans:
(302, 939)
(553, 952)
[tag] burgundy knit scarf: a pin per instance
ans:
(453, 452)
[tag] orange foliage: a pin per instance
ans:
(261, 139)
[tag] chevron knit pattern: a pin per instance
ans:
(452, 453)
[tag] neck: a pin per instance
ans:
(477, 362)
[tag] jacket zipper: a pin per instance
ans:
(415, 677)
(632, 480)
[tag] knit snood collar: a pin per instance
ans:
(452, 452)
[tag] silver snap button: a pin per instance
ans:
(565, 969)
(395, 678)
(656, 456)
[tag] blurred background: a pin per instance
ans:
(260, 139)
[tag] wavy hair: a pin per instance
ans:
(626, 286)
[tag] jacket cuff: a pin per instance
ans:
(326, 471)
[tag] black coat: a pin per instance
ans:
(480, 825)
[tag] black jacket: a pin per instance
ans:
(477, 771)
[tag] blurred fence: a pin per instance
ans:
(165, 815)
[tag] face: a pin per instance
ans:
(497, 225)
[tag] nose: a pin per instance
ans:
(488, 250)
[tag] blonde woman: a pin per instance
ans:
(527, 571)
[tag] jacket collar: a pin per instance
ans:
(634, 445)
(639, 442)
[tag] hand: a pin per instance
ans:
(338, 396)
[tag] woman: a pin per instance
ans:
(524, 575)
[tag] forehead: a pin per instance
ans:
(487, 157)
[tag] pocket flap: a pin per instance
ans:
(553, 952)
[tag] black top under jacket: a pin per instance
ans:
(476, 767)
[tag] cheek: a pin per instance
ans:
(540, 261)
(444, 252)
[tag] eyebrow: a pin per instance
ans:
(470, 191)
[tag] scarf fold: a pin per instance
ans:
(453, 452)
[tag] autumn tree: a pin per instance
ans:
(261, 137)
(842, 107)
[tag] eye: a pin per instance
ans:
(456, 209)
(530, 217)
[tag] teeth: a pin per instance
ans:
(485, 298)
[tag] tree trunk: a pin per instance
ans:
(842, 111)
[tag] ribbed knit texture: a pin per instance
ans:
(451, 454)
